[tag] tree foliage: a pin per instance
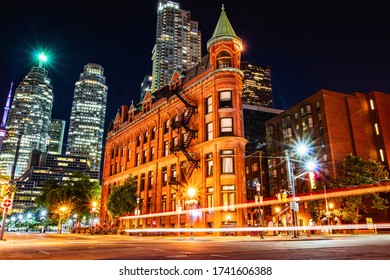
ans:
(75, 195)
(123, 199)
(355, 172)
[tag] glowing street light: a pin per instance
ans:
(62, 212)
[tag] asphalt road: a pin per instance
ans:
(35, 246)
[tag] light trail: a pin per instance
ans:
(351, 191)
(324, 228)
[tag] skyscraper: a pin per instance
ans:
(178, 43)
(56, 134)
(257, 89)
(3, 123)
(86, 127)
(28, 121)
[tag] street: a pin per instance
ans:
(52, 246)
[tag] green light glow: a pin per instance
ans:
(42, 57)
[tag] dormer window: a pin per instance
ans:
(224, 59)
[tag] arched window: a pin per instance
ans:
(146, 134)
(153, 136)
(166, 126)
(223, 59)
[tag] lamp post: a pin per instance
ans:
(93, 211)
(293, 204)
(260, 201)
(62, 211)
(42, 218)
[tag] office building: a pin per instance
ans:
(56, 134)
(28, 121)
(146, 86)
(86, 127)
(333, 124)
(43, 167)
(3, 124)
(178, 43)
(255, 117)
(186, 135)
(257, 88)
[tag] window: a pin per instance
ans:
(129, 154)
(223, 59)
(150, 179)
(142, 183)
(175, 141)
(183, 167)
(138, 140)
(144, 155)
(186, 117)
(164, 176)
(228, 197)
(225, 99)
(209, 132)
(210, 164)
(146, 134)
(173, 202)
(166, 148)
(123, 151)
(151, 153)
(210, 199)
(255, 166)
(166, 127)
(226, 126)
(153, 136)
(209, 105)
(137, 163)
(164, 203)
(173, 173)
(227, 157)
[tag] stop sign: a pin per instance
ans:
(7, 203)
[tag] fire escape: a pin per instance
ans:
(184, 144)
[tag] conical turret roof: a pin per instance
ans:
(223, 30)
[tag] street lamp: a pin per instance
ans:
(62, 211)
(28, 218)
(260, 201)
(42, 218)
(93, 211)
(293, 204)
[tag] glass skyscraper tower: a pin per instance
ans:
(86, 127)
(178, 43)
(28, 121)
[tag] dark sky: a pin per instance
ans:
(338, 47)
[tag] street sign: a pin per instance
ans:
(6, 203)
(294, 206)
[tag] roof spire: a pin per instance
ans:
(223, 30)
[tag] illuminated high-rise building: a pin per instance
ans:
(29, 120)
(146, 86)
(3, 123)
(257, 88)
(86, 127)
(56, 134)
(178, 43)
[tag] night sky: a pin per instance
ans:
(308, 47)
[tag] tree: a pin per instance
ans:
(355, 172)
(73, 196)
(123, 199)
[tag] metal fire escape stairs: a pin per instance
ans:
(184, 145)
